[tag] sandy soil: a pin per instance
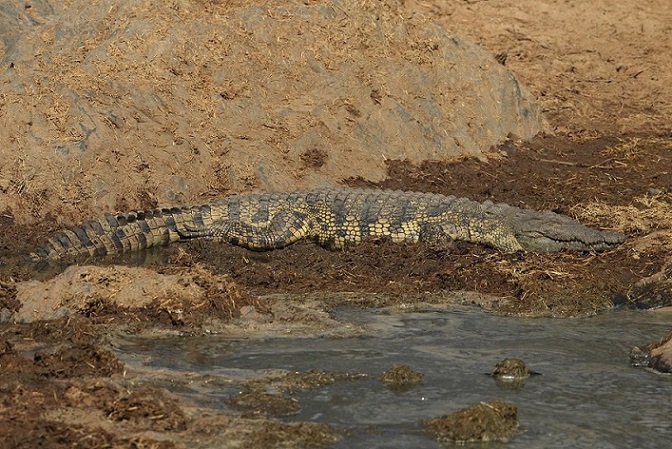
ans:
(600, 72)
(121, 109)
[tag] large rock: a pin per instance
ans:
(656, 355)
(113, 105)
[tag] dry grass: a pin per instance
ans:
(644, 215)
(634, 147)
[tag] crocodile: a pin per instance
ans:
(333, 218)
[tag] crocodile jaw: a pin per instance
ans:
(588, 240)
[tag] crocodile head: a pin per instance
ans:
(546, 232)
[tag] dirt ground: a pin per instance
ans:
(600, 71)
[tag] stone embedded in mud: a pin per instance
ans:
(510, 374)
(511, 369)
(494, 421)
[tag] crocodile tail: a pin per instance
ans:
(116, 234)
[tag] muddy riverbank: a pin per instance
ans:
(604, 158)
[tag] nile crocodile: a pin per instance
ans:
(335, 219)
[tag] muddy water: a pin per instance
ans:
(588, 395)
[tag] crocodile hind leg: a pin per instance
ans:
(285, 228)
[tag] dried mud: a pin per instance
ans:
(604, 92)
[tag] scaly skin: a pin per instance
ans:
(335, 219)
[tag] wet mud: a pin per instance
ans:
(64, 367)
(61, 384)
(483, 422)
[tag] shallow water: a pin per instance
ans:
(588, 395)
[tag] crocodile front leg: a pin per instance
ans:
(285, 228)
(441, 231)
